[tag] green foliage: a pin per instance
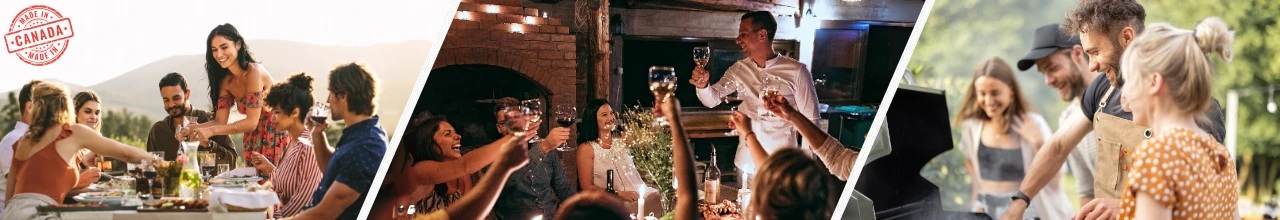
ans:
(650, 147)
(124, 124)
(962, 33)
(10, 113)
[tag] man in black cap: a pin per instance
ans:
(1061, 59)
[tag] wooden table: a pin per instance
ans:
(108, 215)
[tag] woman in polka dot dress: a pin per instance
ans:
(1180, 172)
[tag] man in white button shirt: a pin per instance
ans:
(755, 36)
(6, 145)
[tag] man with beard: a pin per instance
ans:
(1061, 59)
(1105, 29)
(176, 97)
(540, 187)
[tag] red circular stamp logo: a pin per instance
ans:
(38, 35)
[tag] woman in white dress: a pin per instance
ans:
(599, 153)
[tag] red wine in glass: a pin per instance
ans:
(318, 119)
(565, 122)
(733, 101)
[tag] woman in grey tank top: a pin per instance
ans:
(998, 137)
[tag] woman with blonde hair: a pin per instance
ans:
(1180, 172)
(43, 168)
(999, 136)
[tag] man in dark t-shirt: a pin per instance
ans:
(1105, 29)
(1098, 89)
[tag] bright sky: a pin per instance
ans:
(114, 37)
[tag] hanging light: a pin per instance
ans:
(530, 20)
(1271, 99)
(491, 9)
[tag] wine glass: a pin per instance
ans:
(662, 81)
(223, 168)
(534, 115)
(207, 160)
(149, 176)
(701, 55)
(771, 88)
(729, 95)
(316, 116)
(514, 121)
(566, 116)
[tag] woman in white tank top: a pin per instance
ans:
(599, 153)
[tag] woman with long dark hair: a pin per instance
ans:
(602, 149)
(999, 136)
(88, 109)
(429, 170)
(236, 79)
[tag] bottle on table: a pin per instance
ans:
(608, 185)
(712, 176)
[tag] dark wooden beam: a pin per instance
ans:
(780, 6)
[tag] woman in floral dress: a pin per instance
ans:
(236, 79)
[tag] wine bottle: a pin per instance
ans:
(608, 185)
(712, 175)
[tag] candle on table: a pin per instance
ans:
(640, 206)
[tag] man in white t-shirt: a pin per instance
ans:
(755, 36)
(19, 129)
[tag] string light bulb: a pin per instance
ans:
(1271, 99)
(491, 9)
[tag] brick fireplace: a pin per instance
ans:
(499, 48)
(504, 33)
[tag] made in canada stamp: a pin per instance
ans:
(38, 35)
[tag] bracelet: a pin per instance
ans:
(1021, 196)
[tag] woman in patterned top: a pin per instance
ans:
(299, 176)
(236, 79)
(1180, 172)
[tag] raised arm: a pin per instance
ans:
(707, 94)
(741, 123)
(477, 203)
(682, 155)
(429, 172)
(586, 165)
(95, 142)
(1048, 162)
(807, 106)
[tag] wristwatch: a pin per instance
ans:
(1022, 196)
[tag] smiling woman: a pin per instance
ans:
(237, 79)
(88, 109)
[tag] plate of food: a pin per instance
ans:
(177, 205)
(83, 207)
(107, 197)
(250, 178)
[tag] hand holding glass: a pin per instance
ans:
(662, 81)
(566, 116)
(534, 115)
